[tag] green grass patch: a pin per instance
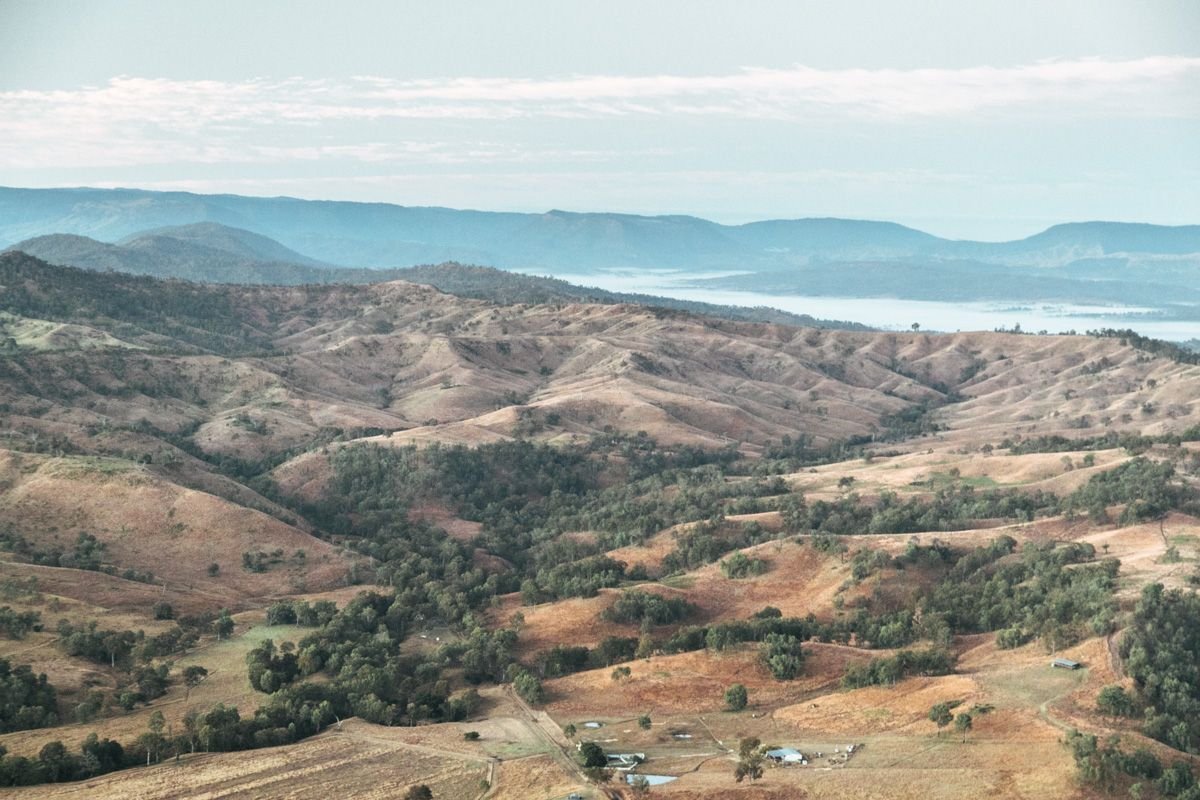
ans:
(1035, 685)
(513, 749)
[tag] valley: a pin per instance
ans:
(418, 538)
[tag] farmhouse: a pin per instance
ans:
(1065, 663)
(625, 761)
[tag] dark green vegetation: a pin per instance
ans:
(736, 697)
(87, 553)
(782, 655)
(1161, 651)
(15, 624)
(1107, 767)
(1133, 443)
(739, 565)
(1146, 488)
(890, 669)
(26, 700)
(643, 608)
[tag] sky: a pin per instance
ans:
(982, 119)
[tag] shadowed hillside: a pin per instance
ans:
(212, 253)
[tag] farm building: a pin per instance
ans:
(1065, 663)
(625, 761)
(786, 755)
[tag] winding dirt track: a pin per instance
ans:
(546, 729)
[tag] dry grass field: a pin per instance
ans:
(359, 760)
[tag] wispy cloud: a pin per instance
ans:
(133, 120)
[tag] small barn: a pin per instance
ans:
(786, 755)
(1065, 663)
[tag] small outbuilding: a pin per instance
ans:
(786, 755)
(1065, 663)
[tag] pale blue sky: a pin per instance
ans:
(968, 119)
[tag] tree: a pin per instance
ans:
(192, 676)
(962, 724)
(91, 705)
(751, 754)
(163, 610)
(419, 792)
(55, 760)
(645, 646)
(281, 613)
(782, 655)
(1116, 702)
(639, 785)
(569, 730)
(941, 715)
(213, 569)
(736, 697)
(644, 722)
(529, 688)
(592, 755)
(223, 625)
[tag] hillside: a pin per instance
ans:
(449, 540)
(224, 363)
(212, 253)
(235, 241)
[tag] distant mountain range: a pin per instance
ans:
(231, 238)
(384, 235)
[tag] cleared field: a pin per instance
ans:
(688, 683)
(359, 760)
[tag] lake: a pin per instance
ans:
(893, 314)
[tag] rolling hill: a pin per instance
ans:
(854, 500)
